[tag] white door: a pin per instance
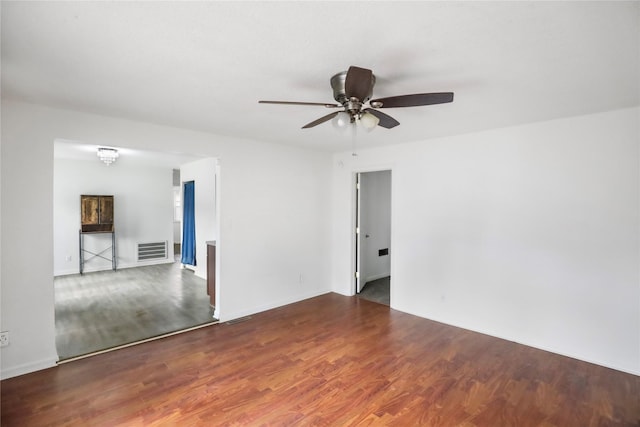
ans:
(357, 236)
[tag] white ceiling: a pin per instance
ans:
(204, 65)
(77, 150)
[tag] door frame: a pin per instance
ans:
(355, 219)
(357, 235)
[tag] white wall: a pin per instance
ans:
(375, 217)
(274, 202)
(143, 211)
(529, 233)
(203, 173)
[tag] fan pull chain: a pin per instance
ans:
(354, 130)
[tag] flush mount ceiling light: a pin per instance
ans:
(108, 155)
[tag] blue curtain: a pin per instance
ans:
(189, 225)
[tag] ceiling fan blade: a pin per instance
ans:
(414, 100)
(321, 120)
(386, 121)
(358, 83)
(322, 104)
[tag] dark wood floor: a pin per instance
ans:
(330, 361)
(104, 309)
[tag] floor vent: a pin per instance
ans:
(150, 251)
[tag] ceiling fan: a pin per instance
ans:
(353, 89)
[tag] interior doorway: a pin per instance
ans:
(373, 236)
(148, 295)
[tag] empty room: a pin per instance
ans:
(480, 158)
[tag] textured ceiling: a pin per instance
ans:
(204, 65)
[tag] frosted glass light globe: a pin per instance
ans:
(341, 120)
(369, 121)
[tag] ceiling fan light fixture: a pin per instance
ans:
(341, 120)
(369, 121)
(353, 89)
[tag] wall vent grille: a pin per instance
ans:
(153, 250)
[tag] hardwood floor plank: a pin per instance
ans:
(331, 360)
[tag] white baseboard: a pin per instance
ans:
(122, 266)
(376, 277)
(625, 369)
(225, 317)
(27, 368)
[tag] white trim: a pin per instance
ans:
(27, 368)
(227, 317)
(376, 277)
(354, 180)
(169, 260)
(537, 347)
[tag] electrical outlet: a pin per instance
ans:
(68, 258)
(4, 339)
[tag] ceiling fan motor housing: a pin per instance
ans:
(338, 86)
